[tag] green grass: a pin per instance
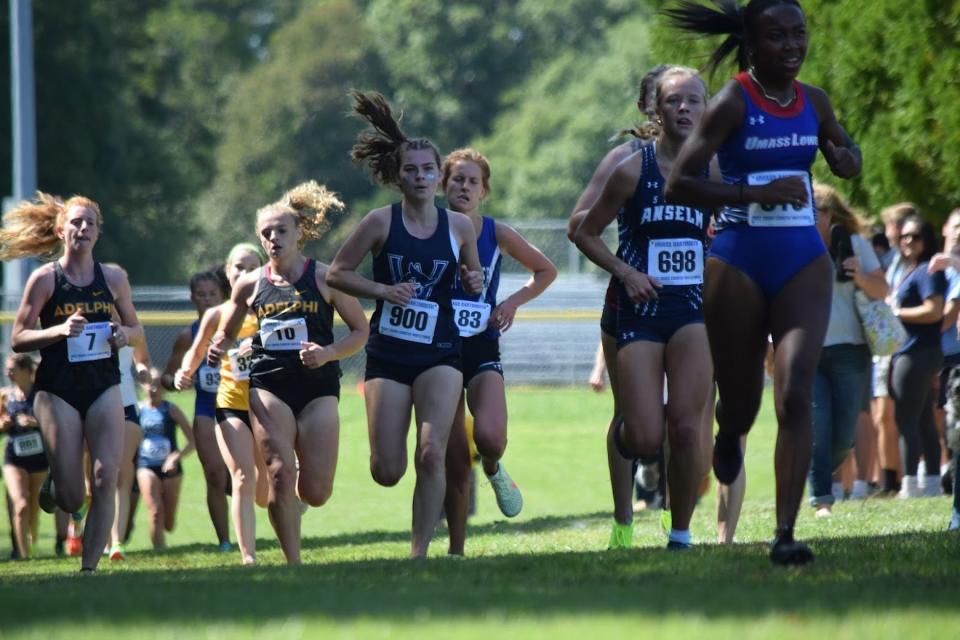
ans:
(884, 568)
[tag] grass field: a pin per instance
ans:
(884, 569)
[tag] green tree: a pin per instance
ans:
(286, 122)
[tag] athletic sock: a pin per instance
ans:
(680, 535)
(890, 480)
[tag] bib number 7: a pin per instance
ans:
(92, 344)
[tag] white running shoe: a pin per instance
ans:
(837, 490)
(909, 488)
(954, 521)
(648, 476)
(509, 498)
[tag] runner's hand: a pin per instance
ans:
(400, 293)
(502, 317)
(843, 163)
(640, 287)
(313, 356)
(783, 191)
(118, 337)
(472, 281)
(182, 380)
(73, 326)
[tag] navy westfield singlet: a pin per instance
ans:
(771, 140)
(664, 241)
(88, 361)
(422, 332)
(471, 312)
(159, 435)
(289, 315)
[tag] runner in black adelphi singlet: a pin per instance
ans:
(78, 398)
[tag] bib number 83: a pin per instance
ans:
(469, 319)
(677, 261)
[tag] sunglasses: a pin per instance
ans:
(911, 237)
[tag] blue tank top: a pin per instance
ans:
(664, 241)
(17, 407)
(423, 332)
(159, 434)
(207, 377)
(489, 252)
(771, 139)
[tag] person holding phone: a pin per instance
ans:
(843, 372)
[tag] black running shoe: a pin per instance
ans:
(786, 551)
(675, 545)
(727, 458)
(46, 500)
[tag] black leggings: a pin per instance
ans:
(911, 387)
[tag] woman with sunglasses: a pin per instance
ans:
(917, 299)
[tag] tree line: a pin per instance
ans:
(183, 117)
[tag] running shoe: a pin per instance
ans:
(46, 498)
(909, 488)
(666, 520)
(860, 490)
(727, 457)
(931, 488)
(225, 547)
(676, 545)
(648, 476)
(58, 547)
(954, 521)
(74, 545)
(786, 551)
(118, 553)
(621, 536)
(509, 498)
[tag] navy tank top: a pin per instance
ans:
(773, 141)
(423, 332)
(614, 288)
(471, 312)
(207, 377)
(289, 315)
(664, 241)
(88, 361)
(159, 434)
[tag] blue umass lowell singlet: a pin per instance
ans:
(663, 241)
(422, 332)
(471, 312)
(771, 140)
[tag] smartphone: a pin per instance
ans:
(841, 248)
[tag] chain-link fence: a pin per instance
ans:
(552, 342)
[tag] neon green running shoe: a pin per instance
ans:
(621, 536)
(666, 520)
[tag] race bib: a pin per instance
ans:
(471, 317)
(28, 444)
(154, 450)
(676, 261)
(91, 344)
(781, 215)
(283, 335)
(208, 378)
(240, 364)
(415, 322)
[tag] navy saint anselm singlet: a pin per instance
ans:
(423, 331)
(88, 361)
(663, 241)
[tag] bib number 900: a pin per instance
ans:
(413, 322)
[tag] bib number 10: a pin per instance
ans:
(283, 335)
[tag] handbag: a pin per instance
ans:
(883, 330)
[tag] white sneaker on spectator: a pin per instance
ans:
(931, 487)
(837, 490)
(921, 472)
(909, 488)
(648, 476)
(859, 491)
(954, 521)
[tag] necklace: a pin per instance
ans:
(763, 90)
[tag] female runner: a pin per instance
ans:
(659, 271)
(24, 463)
(234, 431)
(78, 398)
(465, 178)
(765, 128)
(413, 357)
(206, 292)
(159, 472)
(295, 373)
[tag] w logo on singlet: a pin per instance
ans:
(414, 274)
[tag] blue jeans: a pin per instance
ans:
(842, 379)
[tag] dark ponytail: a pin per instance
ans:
(729, 18)
(381, 149)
